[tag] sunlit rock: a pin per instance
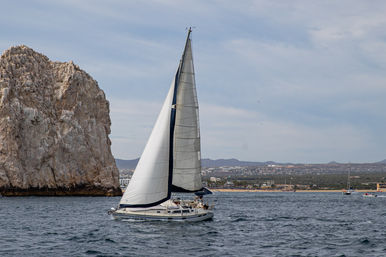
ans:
(54, 127)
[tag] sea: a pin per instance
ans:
(245, 224)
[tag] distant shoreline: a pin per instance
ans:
(275, 191)
(281, 191)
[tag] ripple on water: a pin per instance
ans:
(364, 241)
(92, 252)
(245, 224)
(238, 219)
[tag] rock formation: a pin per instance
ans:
(54, 127)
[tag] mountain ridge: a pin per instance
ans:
(210, 163)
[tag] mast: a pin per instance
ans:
(348, 178)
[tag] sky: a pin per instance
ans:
(285, 81)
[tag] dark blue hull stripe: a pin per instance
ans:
(144, 205)
(177, 189)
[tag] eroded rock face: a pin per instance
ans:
(54, 127)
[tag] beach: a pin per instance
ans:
(273, 191)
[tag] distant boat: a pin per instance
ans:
(171, 160)
(369, 195)
(348, 191)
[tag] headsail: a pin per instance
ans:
(150, 181)
(171, 161)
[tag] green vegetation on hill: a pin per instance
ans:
(359, 180)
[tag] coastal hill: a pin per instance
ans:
(126, 164)
(54, 127)
(209, 163)
(383, 161)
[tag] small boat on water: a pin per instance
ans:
(348, 191)
(369, 195)
(171, 160)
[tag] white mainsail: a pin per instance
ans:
(171, 160)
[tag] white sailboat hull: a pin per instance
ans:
(193, 214)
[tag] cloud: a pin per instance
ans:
(132, 122)
(255, 136)
(229, 132)
(277, 80)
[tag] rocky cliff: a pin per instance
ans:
(54, 127)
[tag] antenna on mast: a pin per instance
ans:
(189, 29)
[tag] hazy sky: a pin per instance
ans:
(296, 81)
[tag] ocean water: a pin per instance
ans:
(245, 224)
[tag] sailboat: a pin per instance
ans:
(348, 191)
(171, 160)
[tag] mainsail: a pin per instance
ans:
(171, 160)
(187, 154)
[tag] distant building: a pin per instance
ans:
(381, 187)
(123, 182)
(303, 187)
(285, 187)
(214, 179)
(229, 184)
(267, 184)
